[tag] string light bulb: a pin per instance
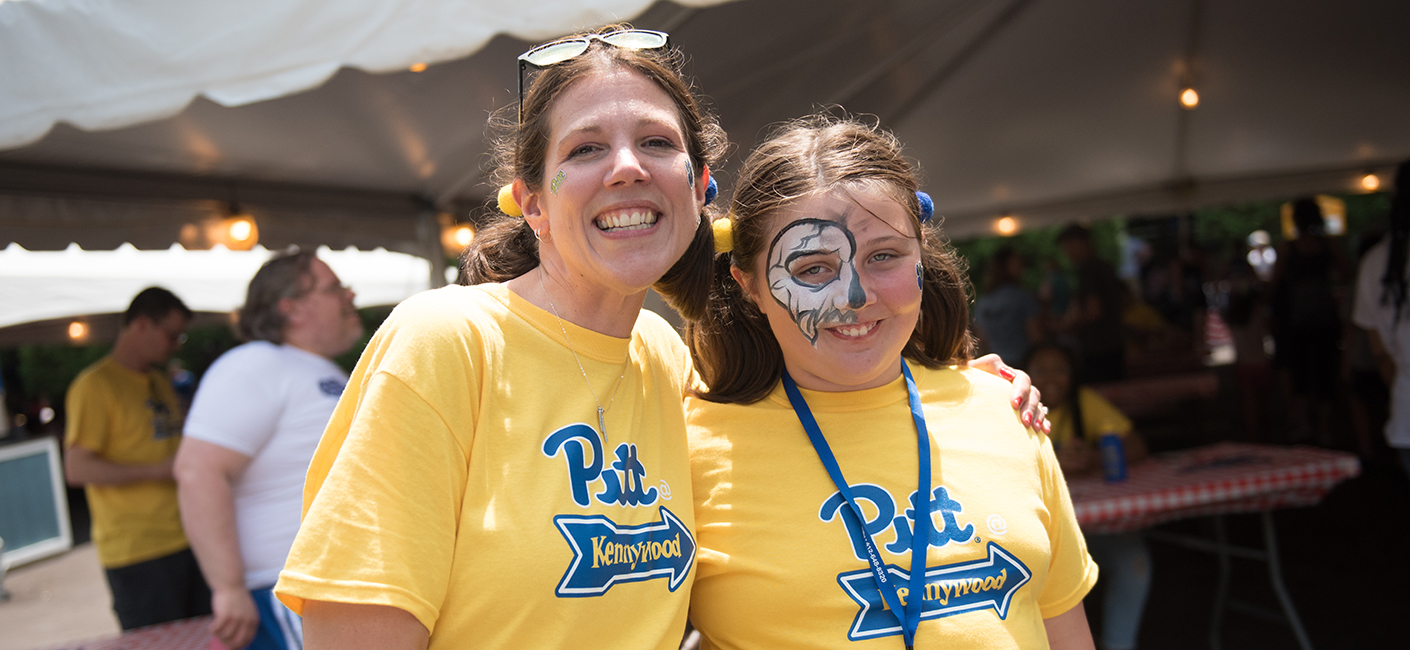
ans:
(241, 229)
(77, 330)
(464, 235)
(237, 231)
(1006, 225)
(1189, 98)
(456, 236)
(418, 67)
(1370, 182)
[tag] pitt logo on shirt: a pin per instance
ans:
(606, 553)
(622, 481)
(988, 583)
(887, 517)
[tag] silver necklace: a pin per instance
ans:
(601, 421)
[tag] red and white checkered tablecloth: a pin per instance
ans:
(1223, 478)
(190, 634)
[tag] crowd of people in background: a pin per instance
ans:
(1301, 361)
(1277, 314)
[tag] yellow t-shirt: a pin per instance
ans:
(1098, 417)
(780, 566)
(462, 479)
(128, 417)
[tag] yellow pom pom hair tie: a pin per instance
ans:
(506, 202)
(724, 233)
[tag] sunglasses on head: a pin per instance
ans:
(557, 52)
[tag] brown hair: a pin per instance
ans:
(506, 248)
(734, 349)
(154, 304)
(283, 276)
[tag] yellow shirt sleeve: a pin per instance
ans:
(86, 407)
(396, 556)
(1071, 573)
(383, 495)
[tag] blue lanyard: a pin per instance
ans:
(920, 540)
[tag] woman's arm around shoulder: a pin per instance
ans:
(1024, 397)
(339, 626)
(1069, 630)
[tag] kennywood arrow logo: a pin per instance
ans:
(605, 554)
(950, 589)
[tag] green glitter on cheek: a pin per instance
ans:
(557, 180)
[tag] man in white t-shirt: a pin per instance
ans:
(253, 427)
(1383, 310)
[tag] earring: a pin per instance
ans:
(537, 234)
(920, 276)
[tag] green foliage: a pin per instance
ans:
(1222, 230)
(1040, 248)
(1365, 214)
(203, 346)
(372, 318)
(46, 370)
(1217, 231)
(1035, 246)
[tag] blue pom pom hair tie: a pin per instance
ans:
(927, 206)
(714, 188)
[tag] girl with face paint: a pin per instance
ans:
(854, 481)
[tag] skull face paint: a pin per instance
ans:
(835, 278)
(812, 273)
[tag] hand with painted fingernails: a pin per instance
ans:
(1026, 399)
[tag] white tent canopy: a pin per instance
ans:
(108, 65)
(45, 285)
(1046, 109)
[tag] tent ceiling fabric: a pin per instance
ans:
(102, 65)
(1049, 109)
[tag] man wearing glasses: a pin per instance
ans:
(255, 422)
(123, 429)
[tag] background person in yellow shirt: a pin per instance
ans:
(1080, 416)
(124, 426)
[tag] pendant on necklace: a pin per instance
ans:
(601, 424)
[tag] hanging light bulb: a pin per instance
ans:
(418, 67)
(455, 236)
(241, 229)
(1006, 225)
(237, 231)
(464, 235)
(77, 330)
(1189, 98)
(1370, 182)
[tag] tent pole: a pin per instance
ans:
(428, 233)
